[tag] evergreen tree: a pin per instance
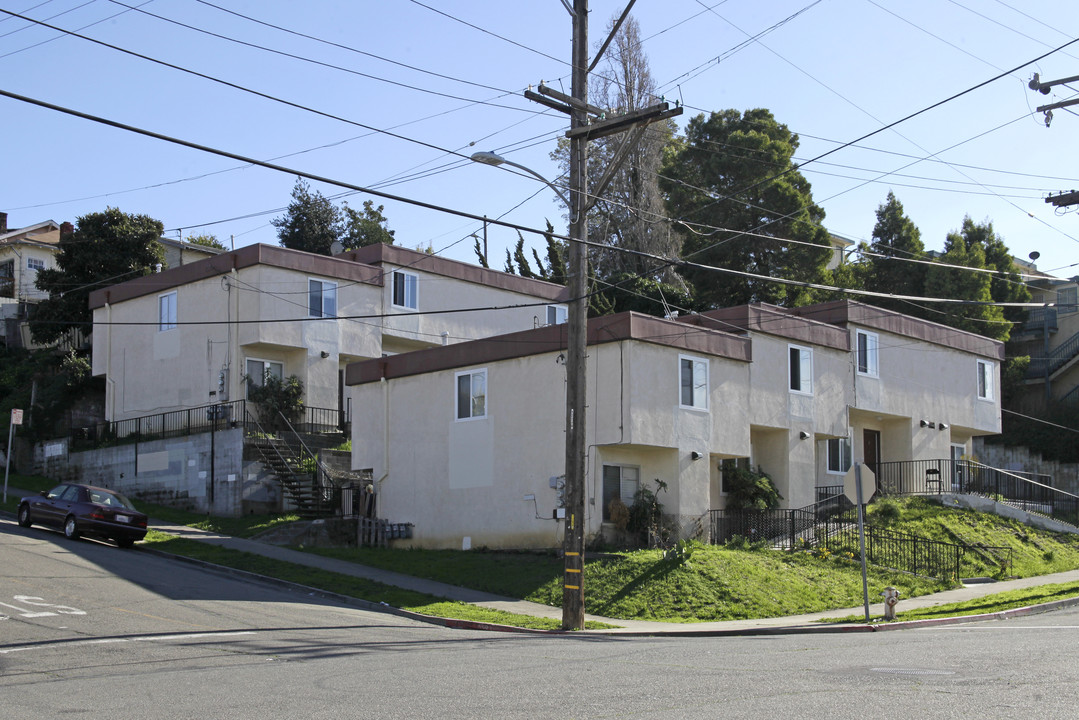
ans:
(106, 248)
(966, 248)
(895, 240)
(733, 174)
(365, 227)
(311, 223)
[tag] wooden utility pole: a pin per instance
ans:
(586, 122)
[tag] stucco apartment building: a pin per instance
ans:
(463, 441)
(193, 334)
(1050, 336)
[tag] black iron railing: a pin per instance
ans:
(1029, 491)
(899, 551)
(1060, 356)
(201, 419)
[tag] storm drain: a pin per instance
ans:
(911, 671)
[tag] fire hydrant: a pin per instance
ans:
(891, 599)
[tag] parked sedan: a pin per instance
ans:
(85, 510)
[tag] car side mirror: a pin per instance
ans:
(43, 493)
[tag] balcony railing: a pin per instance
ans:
(201, 419)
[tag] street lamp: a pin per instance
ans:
(576, 345)
(494, 160)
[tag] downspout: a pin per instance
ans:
(110, 395)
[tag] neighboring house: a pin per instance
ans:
(1050, 336)
(178, 252)
(463, 442)
(24, 251)
(198, 333)
(841, 249)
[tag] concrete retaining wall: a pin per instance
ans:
(177, 472)
(1065, 475)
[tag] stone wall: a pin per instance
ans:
(1065, 475)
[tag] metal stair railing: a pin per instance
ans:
(1057, 358)
(289, 470)
(323, 484)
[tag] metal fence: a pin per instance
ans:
(899, 551)
(201, 419)
(1030, 491)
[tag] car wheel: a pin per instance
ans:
(24, 515)
(71, 528)
(125, 542)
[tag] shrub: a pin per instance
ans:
(276, 397)
(751, 490)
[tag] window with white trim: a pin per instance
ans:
(839, 455)
(33, 263)
(471, 394)
(727, 468)
(985, 379)
(868, 345)
(166, 311)
(405, 289)
(557, 314)
(800, 369)
(692, 382)
(622, 482)
(259, 370)
(321, 298)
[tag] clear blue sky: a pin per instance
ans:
(838, 70)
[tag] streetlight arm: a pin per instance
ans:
(494, 159)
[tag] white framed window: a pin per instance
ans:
(985, 379)
(868, 348)
(622, 482)
(692, 382)
(557, 314)
(839, 455)
(471, 389)
(166, 311)
(321, 298)
(405, 289)
(33, 263)
(259, 370)
(800, 369)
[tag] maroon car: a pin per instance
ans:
(85, 510)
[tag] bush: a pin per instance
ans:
(276, 398)
(750, 490)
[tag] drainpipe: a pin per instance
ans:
(385, 426)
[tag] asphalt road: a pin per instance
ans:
(92, 631)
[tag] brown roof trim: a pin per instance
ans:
(773, 320)
(380, 253)
(308, 263)
(842, 312)
(610, 328)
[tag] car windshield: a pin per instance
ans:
(108, 499)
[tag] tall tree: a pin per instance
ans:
(311, 223)
(365, 227)
(966, 248)
(896, 239)
(629, 213)
(106, 248)
(733, 174)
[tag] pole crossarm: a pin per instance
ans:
(1043, 87)
(1064, 199)
(603, 128)
(571, 101)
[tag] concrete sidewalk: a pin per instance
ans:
(808, 623)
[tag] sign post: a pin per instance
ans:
(16, 419)
(859, 484)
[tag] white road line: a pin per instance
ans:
(154, 638)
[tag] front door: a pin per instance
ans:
(871, 451)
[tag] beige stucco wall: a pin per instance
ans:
(455, 479)
(150, 371)
(403, 331)
(25, 278)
